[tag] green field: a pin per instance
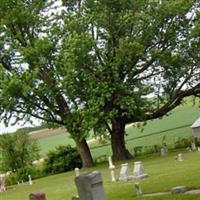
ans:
(164, 173)
(51, 142)
(158, 129)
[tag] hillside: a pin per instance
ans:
(168, 129)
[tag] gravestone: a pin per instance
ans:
(77, 171)
(179, 157)
(123, 176)
(111, 168)
(2, 183)
(90, 186)
(138, 171)
(37, 196)
(138, 189)
(163, 151)
(30, 180)
(138, 175)
(193, 146)
(179, 189)
(189, 149)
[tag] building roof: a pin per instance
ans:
(196, 123)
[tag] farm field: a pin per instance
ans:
(168, 129)
(164, 173)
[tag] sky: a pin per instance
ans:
(9, 129)
(4, 129)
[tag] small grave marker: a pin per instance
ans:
(179, 189)
(111, 168)
(138, 189)
(138, 175)
(30, 180)
(193, 146)
(77, 171)
(163, 151)
(2, 183)
(179, 157)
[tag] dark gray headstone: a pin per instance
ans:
(179, 189)
(90, 186)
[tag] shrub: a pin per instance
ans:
(138, 150)
(22, 175)
(17, 151)
(184, 142)
(64, 158)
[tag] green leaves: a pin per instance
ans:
(17, 151)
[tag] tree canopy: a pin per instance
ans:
(33, 80)
(135, 60)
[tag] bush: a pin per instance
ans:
(186, 142)
(17, 151)
(22, 175)
(64, 158)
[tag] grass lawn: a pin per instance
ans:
(164, 173)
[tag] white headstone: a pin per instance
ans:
(111, 168)
(110, 162)
(138, 172)
(2, 183)
(193, 146)
(198, 148)
(163, 151)
(179, 157)
(77, 171)
(123, 176)
(30, 180)
(138, 169)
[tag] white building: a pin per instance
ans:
(196, 128)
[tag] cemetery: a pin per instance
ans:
(153, 177)
(100, 100)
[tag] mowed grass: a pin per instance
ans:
(164, 173)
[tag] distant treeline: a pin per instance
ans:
(30, 129)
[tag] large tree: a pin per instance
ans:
(135, 60)
(33, 81)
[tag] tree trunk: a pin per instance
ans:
(118, 141)
(85, 153)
